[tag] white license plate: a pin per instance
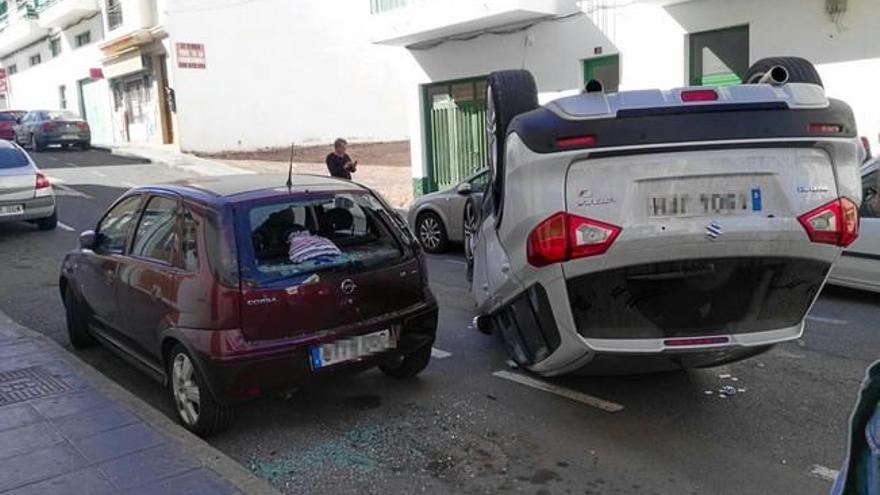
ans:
(11, 210)
(70, 136)
(703, 204)
(350, 349)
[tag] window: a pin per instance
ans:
(62, 96)
(36, 60)
(190, 245)
(114, 228)
(12, 69)
(605, 70)
(326, 233)
(720, 57)
(479, 183)
(870, 199)
(114, 14)
(12, 158)
(83, 39)
(55, 47)
(156, 235)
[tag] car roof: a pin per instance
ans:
(4, 144)
(239, 188)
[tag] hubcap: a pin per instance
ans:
(470, 226)
(429, 233)
(186, 391)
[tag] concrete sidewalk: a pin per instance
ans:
(67, 429)
(171, 156)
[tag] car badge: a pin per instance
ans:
(714, 230)
(348, 286)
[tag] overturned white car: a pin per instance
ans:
(696, 224)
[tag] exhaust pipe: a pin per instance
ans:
(777, 76)
(594, 86)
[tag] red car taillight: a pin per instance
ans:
(834, 223)
(696, 95)
(48, 126)
(42, 181)
(83, 125)
(563, 237)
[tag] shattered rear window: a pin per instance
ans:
(319, 232)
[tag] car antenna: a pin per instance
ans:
(290, 170)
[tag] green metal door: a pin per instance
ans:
(456, 125)
(604, 69)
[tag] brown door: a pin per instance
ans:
(164, 103)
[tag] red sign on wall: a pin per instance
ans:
(96, 73)
(190, 55)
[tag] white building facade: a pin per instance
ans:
(455, 44)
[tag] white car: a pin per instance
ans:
(25, 192)
(859, 267)
(696, 224)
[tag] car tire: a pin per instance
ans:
(800, 70)
(508, 94)
(431, 232)
(85, 145)
(197, 409)
(77, 321)
(48, 223)
(35, 144)
(407, 365)
(470, 221)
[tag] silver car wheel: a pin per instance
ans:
(187, 394)
(470, 227)
(429, 232)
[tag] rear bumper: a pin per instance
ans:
(34, 209)
(64, 137)
(247, 370)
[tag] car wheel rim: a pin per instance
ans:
(491, 125)
(470, 226)
(187, 395)
(429, 233)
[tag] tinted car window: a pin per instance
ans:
(116, 225)
(156, 235)
(12, 158)
(870, 199)
(7, 117)
(345, 231)
(479, 183)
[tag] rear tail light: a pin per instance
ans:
(48, 126)
(563, 237)
(695, 95)
(834, 223)
(576, 142)
(818, 128)
(42, 181)
(83, 125)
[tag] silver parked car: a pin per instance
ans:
(25, 192)
(41, 128)
(442, 217)
(859, 265)
(689, 227)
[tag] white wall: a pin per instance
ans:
(37, 87)
(280, 71)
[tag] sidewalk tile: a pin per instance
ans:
(15, 415)
(71, 403)
(199, 482)
(25, 439)
(117, 443)
(93, 421)
(148, 466)
(39, 465)
(83, 482)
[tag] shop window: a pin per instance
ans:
(55, 47)
(83, 39)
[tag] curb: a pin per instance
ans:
(210, 457)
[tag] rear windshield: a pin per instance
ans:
(8, 117)
(61, 115)
(318, 233)
(12, 158)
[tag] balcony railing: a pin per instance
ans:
(114, 15)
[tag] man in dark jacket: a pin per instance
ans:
(861, 471)
(339, 164)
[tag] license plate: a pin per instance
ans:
(11, 210)
(70, 136)
(702, 204)
(350, 349)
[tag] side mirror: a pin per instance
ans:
(464, 188)
(88, 240)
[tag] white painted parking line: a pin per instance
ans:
(823, 472)
(439, 353)
(64, 226)
(62, 190)
(833, 321)
(574, 395)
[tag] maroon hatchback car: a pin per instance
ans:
(235, 287)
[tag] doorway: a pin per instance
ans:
(605, 70)
(719, 57)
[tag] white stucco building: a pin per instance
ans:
(454, 44)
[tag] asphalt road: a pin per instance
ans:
(460, 428)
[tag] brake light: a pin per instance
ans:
(563, 237)
(42, 181)
(694, 95)
(818, 128)
(83, 125)
(576, 142)
(48, 126)
(834, 223)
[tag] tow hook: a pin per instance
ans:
(481, 323)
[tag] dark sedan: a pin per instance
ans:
(8, 120)
(235, 287)
(41, 128)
